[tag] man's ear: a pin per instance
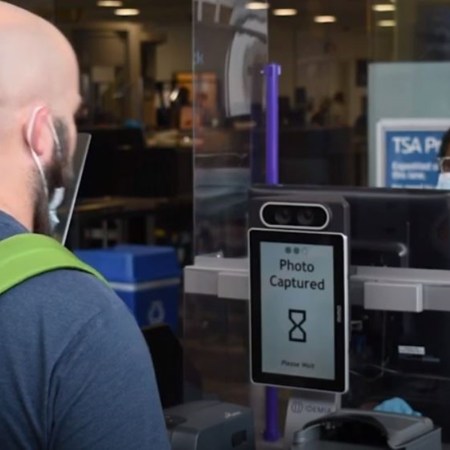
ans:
(37, 133)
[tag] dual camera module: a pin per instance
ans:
(295, 215)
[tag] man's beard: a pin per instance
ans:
(58, 173)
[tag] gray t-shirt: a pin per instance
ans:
(75, 372)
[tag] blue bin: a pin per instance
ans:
(146, 278)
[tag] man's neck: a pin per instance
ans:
(22, 214)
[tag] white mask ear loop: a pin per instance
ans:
(33, 153)
(55, 135)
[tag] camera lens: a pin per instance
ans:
(305, 216)
(282, 216)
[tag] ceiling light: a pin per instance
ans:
(127, 12)
(285, 12)
(256, 6)
(384, 7)
(325, 19)
(386, 23)
(110, 3)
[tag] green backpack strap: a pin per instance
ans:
(24, 256)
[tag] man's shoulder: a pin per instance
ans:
(62, 300)
(60, 288)
(67, 332)
(70, 284)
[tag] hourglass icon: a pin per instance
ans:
(298, 318)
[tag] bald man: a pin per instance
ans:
(75, 372)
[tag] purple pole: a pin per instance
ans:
(272, 73)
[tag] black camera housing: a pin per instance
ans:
(281, 216)
(294, 215)
(298, 209)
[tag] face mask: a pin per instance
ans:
(58, 195)
(54, 203)
(443, 181)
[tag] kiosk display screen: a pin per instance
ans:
(298, 309)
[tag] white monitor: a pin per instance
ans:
(299, 309)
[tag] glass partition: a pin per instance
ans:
(230, 51)
(364, 100)
(323, 49)
(409, 115)
(409, 102)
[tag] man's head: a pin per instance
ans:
(39, 96)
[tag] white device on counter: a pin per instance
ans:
(299, 309)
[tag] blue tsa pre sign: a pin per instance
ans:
(408, 151)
